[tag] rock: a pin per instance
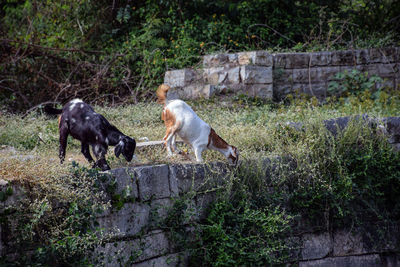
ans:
(316, 246)
(372, 260)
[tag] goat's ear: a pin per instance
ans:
(118, 149)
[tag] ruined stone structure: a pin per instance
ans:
(259, 73)
(140, 240)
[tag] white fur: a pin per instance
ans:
(191, 129)
(74, 102)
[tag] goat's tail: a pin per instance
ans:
(162, 93)
(52, 111)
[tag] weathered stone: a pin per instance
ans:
(387, 70)
(233, 76)
(259, 90)
(362, 57)
(177, 259)
(376, 56)
(256, 74)
(392, 125)
(185, 178)
(283, 75)
(280, 90)
(126, 222)
(180, 78)
(347, 243)
(320, 59)
(219, 60)
(314, 89)
(316, 75)
(125, 179)
(391, 260)
(203, 201)
(344, 58)
(300, 75)
(259, 58)
(316, 246)
(372, 260)
(212, 75)
(125, 253)
(159, 211)
(292, 60)
(153, 182)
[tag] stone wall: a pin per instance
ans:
(138, 240)
(141, 239)
(259, 73)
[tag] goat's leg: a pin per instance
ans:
(63, 142)
(86, 152)
(197, 152)
(168, 145)
(100, 154)
(170, 137)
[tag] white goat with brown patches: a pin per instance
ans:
(180, 119)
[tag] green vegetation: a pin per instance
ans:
(118, 51)
(328, 181)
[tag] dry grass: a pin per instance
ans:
(250, 128)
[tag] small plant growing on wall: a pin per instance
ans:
(355, 83)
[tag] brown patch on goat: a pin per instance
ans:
(215, 140)
(170, 122)
(162, 93)
(59, 121)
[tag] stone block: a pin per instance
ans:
(319, 59)
(280, 90)
(220, 60)
(159, 211)
(259, 90)
(256, 74)
(389, 54)
(259, 58)
(176, 259)
(392, 127)
(346, 243)
(203, 201)
(315, 75)
(314, 89)
(126, 253)
(291, 60)
(344, 58)
(233, 76)
(153, 182)
(125, 179)
(391, 260)
(362, 57)
(376, 56)
(372, 260)
(180, 78)
(300, 75)
(212, 75)
(196, 177)
(387, 70)
(316, 246)
(283, 75)
(220, 75)
(131, 219)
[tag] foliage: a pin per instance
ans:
(354, 83)
(59, 225)
(118, 51)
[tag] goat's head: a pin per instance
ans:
(233, 156)
(126, 146)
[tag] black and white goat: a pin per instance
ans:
(83, 123)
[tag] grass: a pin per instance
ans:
(249, 125)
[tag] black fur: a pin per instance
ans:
(80, 121)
